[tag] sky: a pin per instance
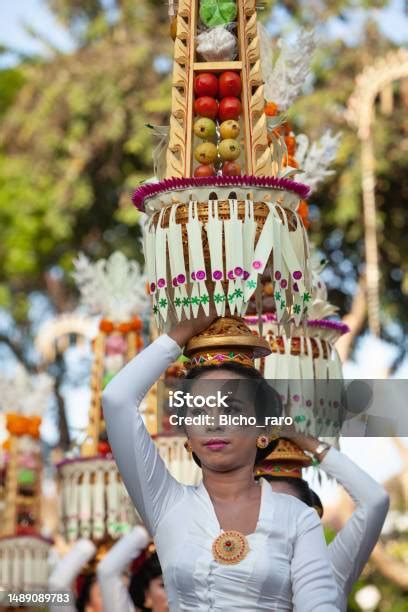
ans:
(14, 13)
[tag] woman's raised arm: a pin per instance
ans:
(352, 546)
(150, 485)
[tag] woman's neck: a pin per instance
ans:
(229, 485)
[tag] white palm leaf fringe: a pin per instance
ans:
(235, 258)
(284, 82)
(314, 160)
(25, 394)
(114, 288)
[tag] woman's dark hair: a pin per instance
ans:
(84, 596)
(301, 488)
(317, 503)
(139, 582)
(266, 400)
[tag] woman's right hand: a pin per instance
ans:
(187, 328)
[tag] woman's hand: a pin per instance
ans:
(305, 442)
(186, 329)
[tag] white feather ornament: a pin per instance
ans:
(113, 287)
(314, 160)
(291, 69)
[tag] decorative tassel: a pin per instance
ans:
(306, 372)
(149, 243)
(214, 236)
(85, 505)
(162, 301)
(261, 255)
(112, 498)
(72, 505)
(199, 292)
(320, 376)
(177, 265)
(98, 526)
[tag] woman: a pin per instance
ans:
(230, 543)
(147, 587)
(353, 544)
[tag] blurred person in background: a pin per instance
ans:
(354, 543)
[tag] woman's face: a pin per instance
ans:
(223, 447)
(95, 599)
(156, 598)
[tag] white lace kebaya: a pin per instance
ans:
(287, 567)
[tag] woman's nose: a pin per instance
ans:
(214, 420)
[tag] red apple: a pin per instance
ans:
(204, 170)
(206, 84)
(229, 84)
(230, 108)
(206, 107)
(231, 168)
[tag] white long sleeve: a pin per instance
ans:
(67, 569)
(310, 572)
(352, 546)
(149, 483)
(115, 594)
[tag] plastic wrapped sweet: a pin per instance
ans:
(217, 45)
(217, 12)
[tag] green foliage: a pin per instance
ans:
(11, 81)
(73, 146)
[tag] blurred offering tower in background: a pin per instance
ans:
(23, 549)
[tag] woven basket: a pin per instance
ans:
(298, 347)
(261, 212)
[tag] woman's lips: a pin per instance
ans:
(216, 444)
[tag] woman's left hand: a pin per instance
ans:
(305, 442)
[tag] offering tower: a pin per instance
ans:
(23, 548)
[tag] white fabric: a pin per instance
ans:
(352, 546)
(67, 569)
(287, 567)
(115, 594)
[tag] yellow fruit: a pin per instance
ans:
(229, 129)
(229, 149)
(206, 153)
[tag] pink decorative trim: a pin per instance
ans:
(32, 536)
(317, 323)
(149, 190)
(107, 457)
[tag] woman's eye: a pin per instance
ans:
(231, 409)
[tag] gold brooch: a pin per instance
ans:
(230, 548)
